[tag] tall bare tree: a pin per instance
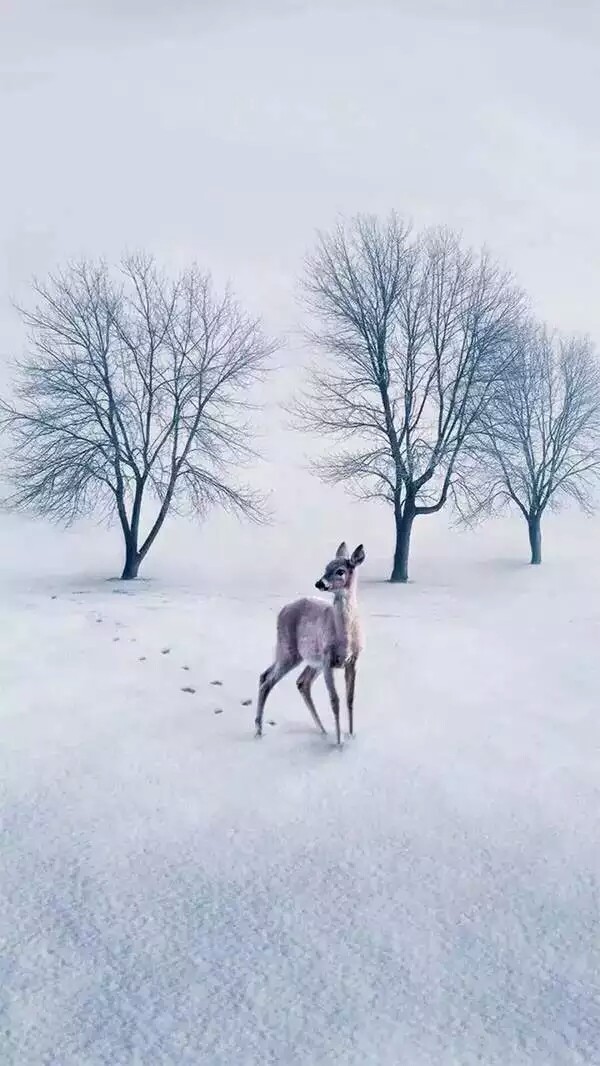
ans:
(132, 400)
(413, 332)
(541, 434)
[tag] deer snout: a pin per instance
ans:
(320, 585)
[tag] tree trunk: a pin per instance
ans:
(131, 533)
(404, 524)
(535, 539)
(132, 561)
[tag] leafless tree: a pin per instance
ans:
(132, 399)
(413, 332)
(540, 441)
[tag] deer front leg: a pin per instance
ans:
(350, 676)
(335, 700)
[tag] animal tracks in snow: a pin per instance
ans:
(168, 653)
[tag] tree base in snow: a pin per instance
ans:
(130, 571)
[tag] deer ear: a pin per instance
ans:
(342, 552)
(358, 556)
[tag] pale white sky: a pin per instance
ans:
(227, 131)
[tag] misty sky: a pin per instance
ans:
(227, 131)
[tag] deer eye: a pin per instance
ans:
(340, 573)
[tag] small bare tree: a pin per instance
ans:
(540, 443)
(414, 333)
(132, 399)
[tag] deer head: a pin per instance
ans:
(339, 573)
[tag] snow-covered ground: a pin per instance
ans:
(173, 892)
(176, 892)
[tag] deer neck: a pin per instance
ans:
(344, 610)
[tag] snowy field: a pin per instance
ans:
(174, 891)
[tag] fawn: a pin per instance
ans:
(322, 635)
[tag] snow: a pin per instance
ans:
(174, 891)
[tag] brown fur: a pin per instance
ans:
(325, 636)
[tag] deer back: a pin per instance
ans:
(306, 630)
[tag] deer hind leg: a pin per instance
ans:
(334, 698)
(350, 676)
(266, 683)
(304, 685)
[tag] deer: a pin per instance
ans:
(324, 636)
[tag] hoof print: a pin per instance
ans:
(188, 688)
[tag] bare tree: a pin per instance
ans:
(413, 333)
(540, 440)
(132, 398)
